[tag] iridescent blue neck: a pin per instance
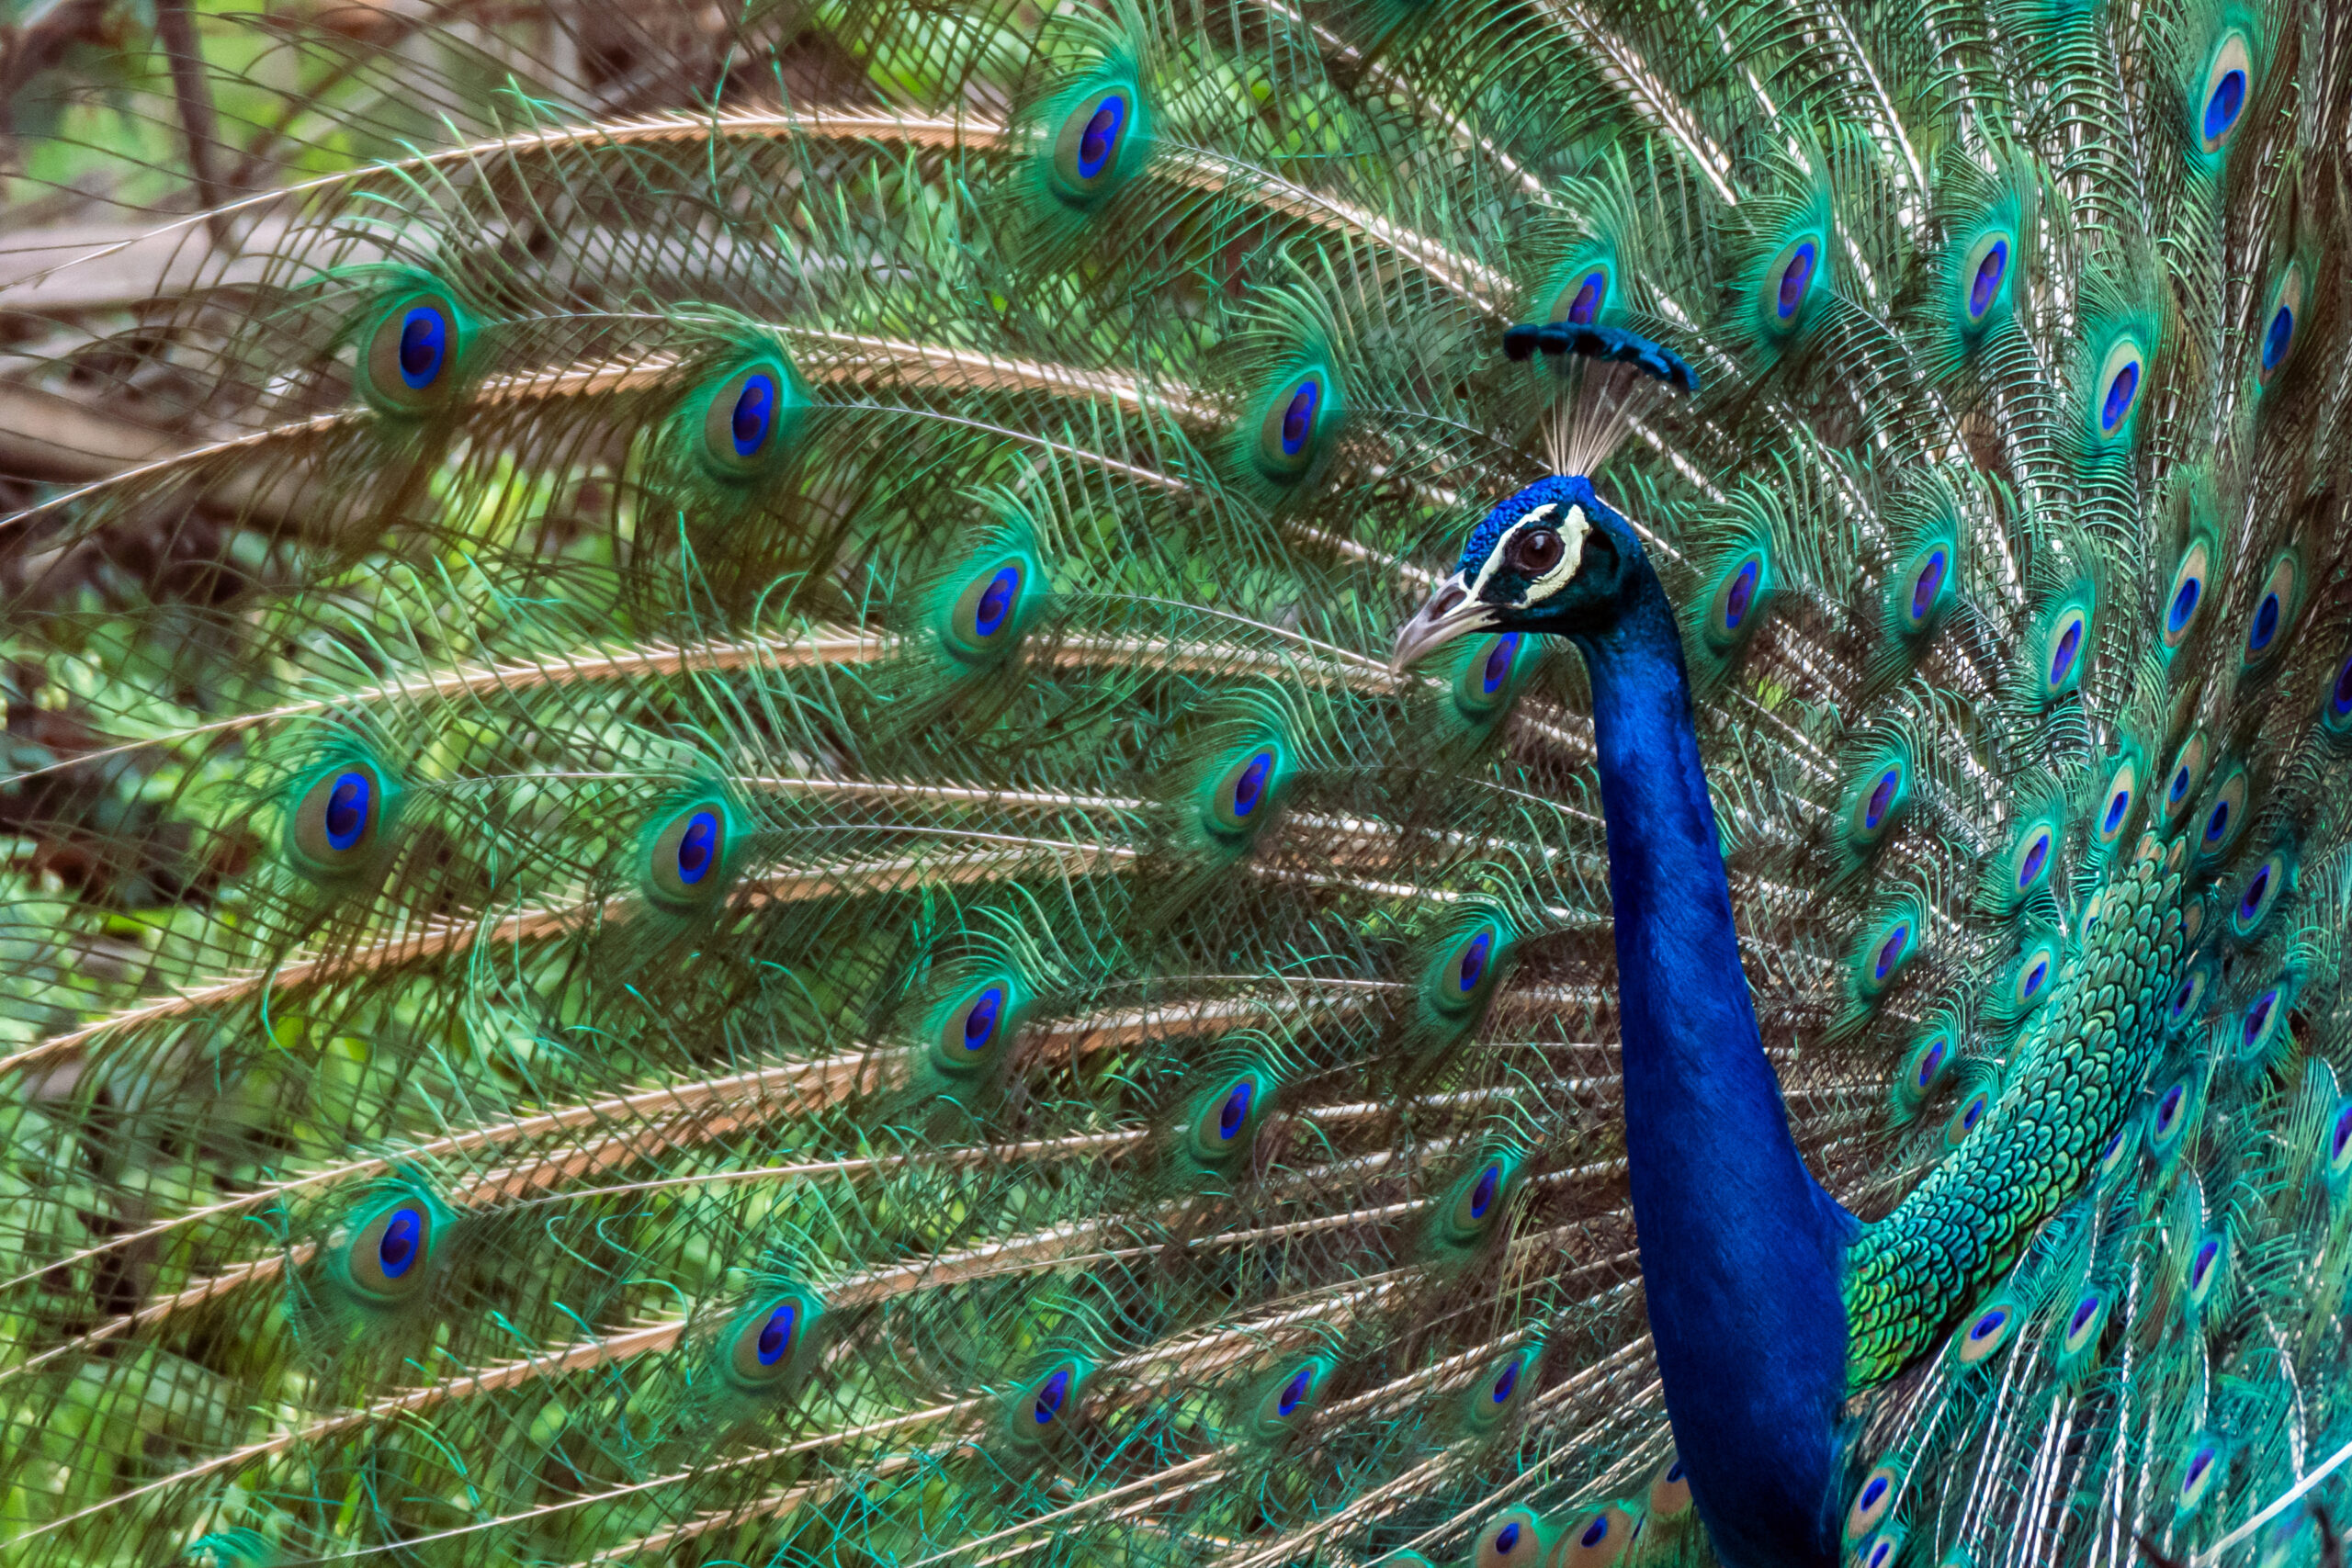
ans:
(1742, 1251)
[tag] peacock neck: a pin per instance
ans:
(1742, 1252)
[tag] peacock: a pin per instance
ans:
(1372, 784)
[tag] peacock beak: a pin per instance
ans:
(1450, 612)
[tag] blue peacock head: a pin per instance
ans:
(1555, 558)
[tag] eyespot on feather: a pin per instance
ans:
(2182, 781)
(1290, 430)
(2113, 814)
(2282, 315)
(1740, 597)
(1983, 277)
(2219, 108)
(975, 1031)
(1488, 676)
(766, 1348)
(1789, 283)
(2223, 817)
(1226, 1121)
(1513, 1538)
(2265, 887)
(2186, 595)
(2115, 391)
(388, 1257)
(1985, 1331)
(340, 819)
(1583, 298)
(1245, 795)
(1670, 1491)
(1874, 1500)
(1099, 143)
(1042, 1412)
(1597, 1537)
(1498, 1394)
(1919, 593)
(413, 352)
(1286, 1400)
(749, 420)
(2275, 608)
(687, 856)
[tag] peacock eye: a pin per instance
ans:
(2117, 389)
(1290, 430)
(1537, 551)
(1790, 277)
(408, 360)
(340, 822)
(1225, 1121)
(1242, 799)
(1582, 301)
(2188, 593)
(1464, 975)
(2281, 597)
(763, 1350)
(984, 621)
(686, 864)
(1479, 1202)
(387, 1259)
(1484, 683)
(2222, 102)
(1288, 1399)
(1987, 268)
(1087, 160)
(971, 1036)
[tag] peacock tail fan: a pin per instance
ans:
(713, 857)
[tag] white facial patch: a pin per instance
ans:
(1571, 529)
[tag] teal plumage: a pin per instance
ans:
(716, 860)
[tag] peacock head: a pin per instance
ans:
(1555, 558)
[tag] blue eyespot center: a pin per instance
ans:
(1889, 951)
(1586, 306)
(2254, 892)
(776, 1335)
(2266, 625)
(2184, 604)
(1295, 1391)
(2168, 1108)
(1234, 1112)
(2205, 1255)
(1740, 595)
(1987, 282)
(2085, 1310)
(1506, 1383)
(981, 1020)
(2219, 823)
(1250, 789)
(2182, 997)
(1498, 662)
(1482, 1197)
(2062, 663)
(1099, 140)
(2257, 1017)
(2037, 855)
(2199, 1465)
(1595, 1533)
(424, 346)
(1796, 277)
(2277, 338)
(2223, 107)
(402, 1239)
(2339, 695)
(1975, 1113)
(2116, 807)
(698, 848)
(1882, 799)
(2343, 1134)
(1506, 1539)
(1928, 583)
(2035, 976)
(755, 415)
(996, 603)
(346, 813)
(1050, 1395)
(1298, 419)
(1873, 1492)
(1674, 1472)
(1988, 1326)
(1474, 962)
(2120, 390)
(1931, 1063)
